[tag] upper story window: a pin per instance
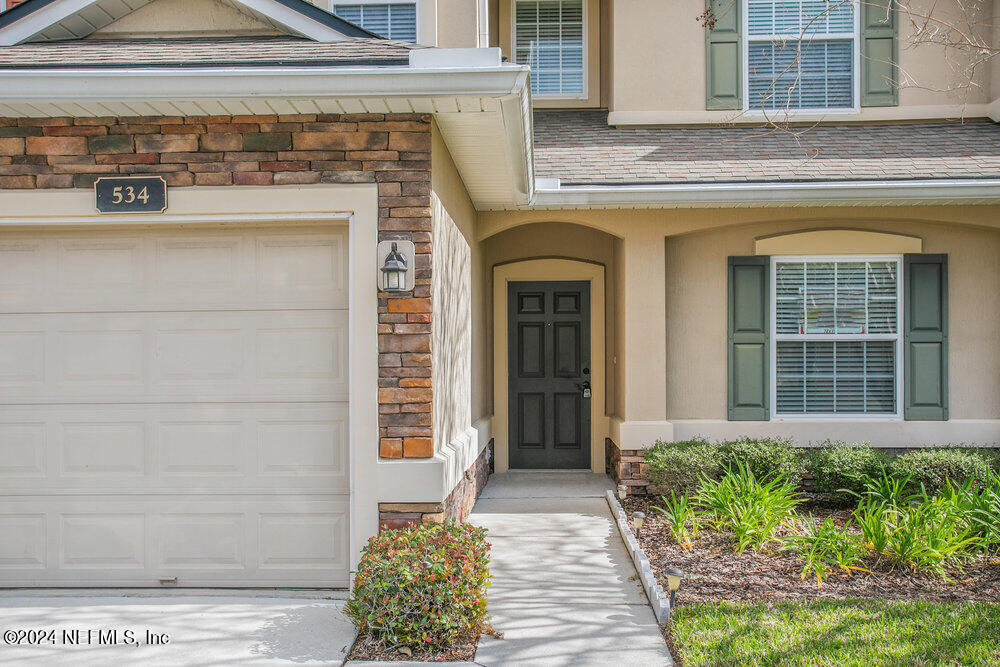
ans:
(836, 336)
(392, 20)
(801, 54)
(549, 37)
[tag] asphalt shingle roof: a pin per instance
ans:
(205, 51)
(579, 147)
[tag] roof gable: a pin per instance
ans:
(50, 20)
(185, 18)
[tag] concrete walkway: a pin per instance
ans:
(231, 629)
(564, 589)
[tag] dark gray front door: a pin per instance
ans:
(549, 374)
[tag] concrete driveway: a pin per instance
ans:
(183, 630)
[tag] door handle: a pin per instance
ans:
(584, 388)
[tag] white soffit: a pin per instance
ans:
(76, 19)
(483, 112)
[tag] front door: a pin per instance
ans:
(549, 374)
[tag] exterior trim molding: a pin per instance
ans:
(838, 242)
(549, 269)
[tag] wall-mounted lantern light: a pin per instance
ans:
(395, 266)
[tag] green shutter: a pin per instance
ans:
(879, 53)
(925, 337)
(749, 322)
(723, 53)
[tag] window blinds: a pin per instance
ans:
(836, 336)
(396, 21)
(800, 54)
(549, 38)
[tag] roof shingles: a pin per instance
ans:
(205, 51)
(579, 147)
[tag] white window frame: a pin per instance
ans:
(855, 37)
(333, 3)
(586, 52)
(774, 338)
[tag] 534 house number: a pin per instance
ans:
(127, 194)
(131, 194)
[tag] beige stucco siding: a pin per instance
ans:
(658, 55)
(184, 18)
(458, 293)
(696, 315)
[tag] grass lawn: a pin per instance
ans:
(837, 632)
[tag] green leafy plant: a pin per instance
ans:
(749, 507)
(932, 533)
(876, 524)
(679, 466)
(422, 587)
(844, 467)
(681, 517)
(765, 457)
(889, 489)
(933, 468)
(985, 514)
(825, 547)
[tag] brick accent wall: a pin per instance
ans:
(456, 506)
(626, 467)
(391, 150)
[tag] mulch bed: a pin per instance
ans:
(715, 573)
(366, 649)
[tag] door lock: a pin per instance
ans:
(585, 387)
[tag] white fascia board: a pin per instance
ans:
(167, 84)
(768, 194)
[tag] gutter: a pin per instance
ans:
(550, 194)
(68, 86)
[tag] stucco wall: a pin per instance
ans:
(457, 289)
(696, 315)
(669, 78)
(184, 18)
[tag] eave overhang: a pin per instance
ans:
(483, 112)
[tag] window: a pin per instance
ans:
(549, 36)
(836, 342)
(801, 54)
(392, 20)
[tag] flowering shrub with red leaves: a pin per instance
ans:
(423, 586)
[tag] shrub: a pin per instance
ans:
(765, 457)
(751, 508)
(844, 466)
(824, 547)
(931, 468)
(423, 586)
(679, 466)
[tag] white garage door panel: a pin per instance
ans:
(174, 270)
(174, 403)
(254, 447)
(201, 540)
(127, 357)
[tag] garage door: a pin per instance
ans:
(174, 405)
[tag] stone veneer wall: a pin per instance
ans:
(390, 150)
(456, 506)
(626, 467)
